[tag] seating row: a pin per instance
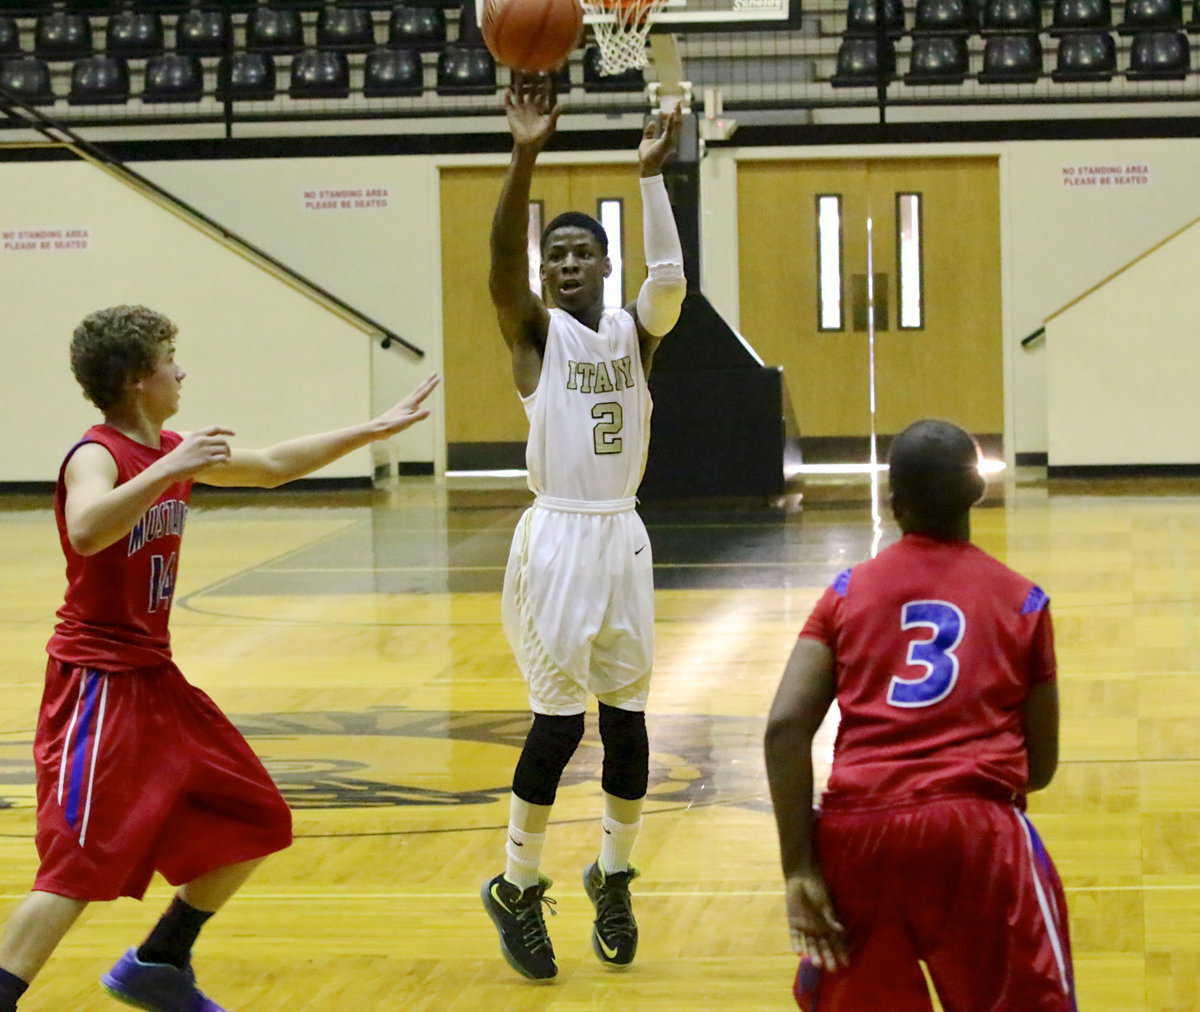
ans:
(1006, 17)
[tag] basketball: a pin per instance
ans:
(532, 35)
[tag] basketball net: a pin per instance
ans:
(621, 28)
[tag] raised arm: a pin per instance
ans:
(661, 295)
(284, 462)
(801, 702)
(524, 320)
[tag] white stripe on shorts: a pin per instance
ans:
(1044, 902)
(87, 807)
(66, 752)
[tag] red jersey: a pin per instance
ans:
(937, 646)
(118, 601)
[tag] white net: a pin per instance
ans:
(621, 28)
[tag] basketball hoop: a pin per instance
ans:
(622, 27)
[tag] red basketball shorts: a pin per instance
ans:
(963, 884)
(138, 772)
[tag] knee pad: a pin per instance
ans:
(548, 748)
(626, 752)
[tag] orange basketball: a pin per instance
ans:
(532, 35)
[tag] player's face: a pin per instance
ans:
(574, 268)
(160, 390)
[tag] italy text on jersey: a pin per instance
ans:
(598, 378)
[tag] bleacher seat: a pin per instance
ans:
(297, 5)
(134, 34)
(938, 59)
(469, 32)
(99, 80)
(1009, 17)
(593, 80)
(173, 77)
(1194, 24)
(320, 73)
(204, 32)
(1086, 56)
(62, 35)
(465, 70)
(860, 18)
(389, 73)
(10, 36)
(274, 31)
(860, 62)
(1147, 15)
(1081, 16)
(1159, 56)
(417, 28)
(1011, 59)
(349, 29)
(245, 77)
(27, 78)
(943, 17)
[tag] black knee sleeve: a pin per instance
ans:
(548, 748)
(626, 752)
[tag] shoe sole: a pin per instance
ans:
(486, 896)
(597, 948)
(124, 998)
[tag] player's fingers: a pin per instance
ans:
(215, 430)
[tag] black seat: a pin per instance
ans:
(173, 77)
(61, 35)
(943, 17)
(1008, 17)
(10, 37)
(27, 78)
(274, 31)
(347, 28)
(393, 72)
(417, 28)
(99, 80)
(297, 5)
(1086, 56)
(938, 59)
(1159, 56)
(860, 19)
(320, 73)
(204, 32)
(243, 77)
(1194, 24)
(134, 34)
(1081, 16)
(860, 63)
(469, 31)
(465, 70)
(628, 80)
(1011, 59)
(1145, 15)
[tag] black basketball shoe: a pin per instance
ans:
(518, 917)
(615, 933)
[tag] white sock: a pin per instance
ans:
(524, 853)
(616, 843)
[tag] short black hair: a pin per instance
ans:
(576, 219)
(933, 471)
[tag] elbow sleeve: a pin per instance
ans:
(661, 294)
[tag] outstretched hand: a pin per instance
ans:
(531, 103)
(814, 926)
(408, 411)
(660, 139)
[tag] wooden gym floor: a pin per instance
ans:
(355, 640)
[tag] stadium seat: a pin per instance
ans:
(204, 33)
(943, 17)
(938, 59)
(593, 80)
(134, 34)
(465, 70)
(417, 28)
(10, 37)
(1146, 15)
(246, 77)
(173, 77)
(860, 63)
(61, 35)
(1194, 24)
(469, 32)
(390, 73)
(1086, 56)
(1081, 16)
(320, 73)
(27, 78)
(99, 80)
(1159, 56)
(274, 31)
(1009, 17)
(297, 5)
(860, 19)
(349, 29)
(1011, 59)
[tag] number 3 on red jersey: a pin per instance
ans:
(936, 654)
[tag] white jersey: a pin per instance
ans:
(589, 418)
